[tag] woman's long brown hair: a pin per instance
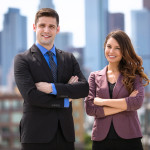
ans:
(131, 63)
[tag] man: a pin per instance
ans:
(48, 82)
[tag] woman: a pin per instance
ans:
(115, 95)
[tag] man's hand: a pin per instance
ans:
(73, 79)
(44, 87)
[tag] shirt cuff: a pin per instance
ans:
(66, 102)
(54, 92)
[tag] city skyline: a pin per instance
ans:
(96, 31)
(75, 23)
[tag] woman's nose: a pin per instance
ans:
(111, 50)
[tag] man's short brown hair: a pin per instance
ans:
(47, 12)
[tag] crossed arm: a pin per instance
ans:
(47, 87)
(113, 106)
(25, 78)
(99, 107)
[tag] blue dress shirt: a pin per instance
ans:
(44, 52)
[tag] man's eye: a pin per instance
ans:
(52, 27)
(41, 25)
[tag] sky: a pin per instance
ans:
(71, 14)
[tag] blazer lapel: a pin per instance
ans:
(118, 86)
(38, 55)
(104, 83)
(60, 64)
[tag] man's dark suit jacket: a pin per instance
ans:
(41, 112)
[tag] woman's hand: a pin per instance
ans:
(134, 93)
(98, 101)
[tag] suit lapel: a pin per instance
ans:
(38, 55)
(60, 64)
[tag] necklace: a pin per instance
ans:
(111, 77)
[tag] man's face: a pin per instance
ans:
(46, 30)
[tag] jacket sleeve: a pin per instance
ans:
(75, 90)
(27, 88)
(134, 103)
(91, 109)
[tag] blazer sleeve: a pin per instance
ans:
(27, 87)
(76, 90)
(90, 107)
(134, 103)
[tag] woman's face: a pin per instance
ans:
(112, 51)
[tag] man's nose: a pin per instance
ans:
(46, 29)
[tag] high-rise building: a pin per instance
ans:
(14, 39)
(146, 4)
(46, 4)
(116, 21)
(0, 60)
(78, 54)
(96, 30)
(64, 40)
(141, 35)
(0, 50)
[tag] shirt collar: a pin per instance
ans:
(44, 50)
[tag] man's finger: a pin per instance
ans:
(75, 79)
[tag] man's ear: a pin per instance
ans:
(34, 27)
(58, 29)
